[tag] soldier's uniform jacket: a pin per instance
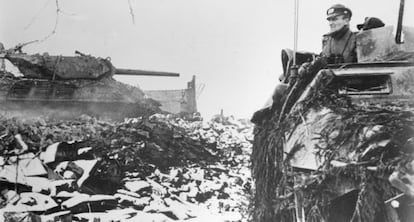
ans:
(340, 44)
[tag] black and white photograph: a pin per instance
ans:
(206, 111)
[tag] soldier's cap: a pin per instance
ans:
(338, 9)
(370, 23)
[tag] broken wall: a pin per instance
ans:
(176, 101)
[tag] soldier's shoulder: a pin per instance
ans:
(353, 36)
(325, 39)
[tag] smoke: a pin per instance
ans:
(35, 110)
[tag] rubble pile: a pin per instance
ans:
(157, 168)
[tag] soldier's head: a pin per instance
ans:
(338, 16)
(370, 23)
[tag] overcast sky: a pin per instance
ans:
(231, 46)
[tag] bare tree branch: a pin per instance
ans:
(21, 45)
(37, 15)
(58, 12)
(56, 22)
(131, 11)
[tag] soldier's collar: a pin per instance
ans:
(338, 34)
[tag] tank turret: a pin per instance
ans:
(71, 67)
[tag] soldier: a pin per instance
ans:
(338, 46)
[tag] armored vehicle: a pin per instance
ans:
(68, 86)
(339, 145)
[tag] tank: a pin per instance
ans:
(338, 144)
(69, 86)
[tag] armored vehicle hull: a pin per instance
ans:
(106, 98)
(340, 145)
(68, 86)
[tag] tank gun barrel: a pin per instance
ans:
(71, 67)
(138, 72)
